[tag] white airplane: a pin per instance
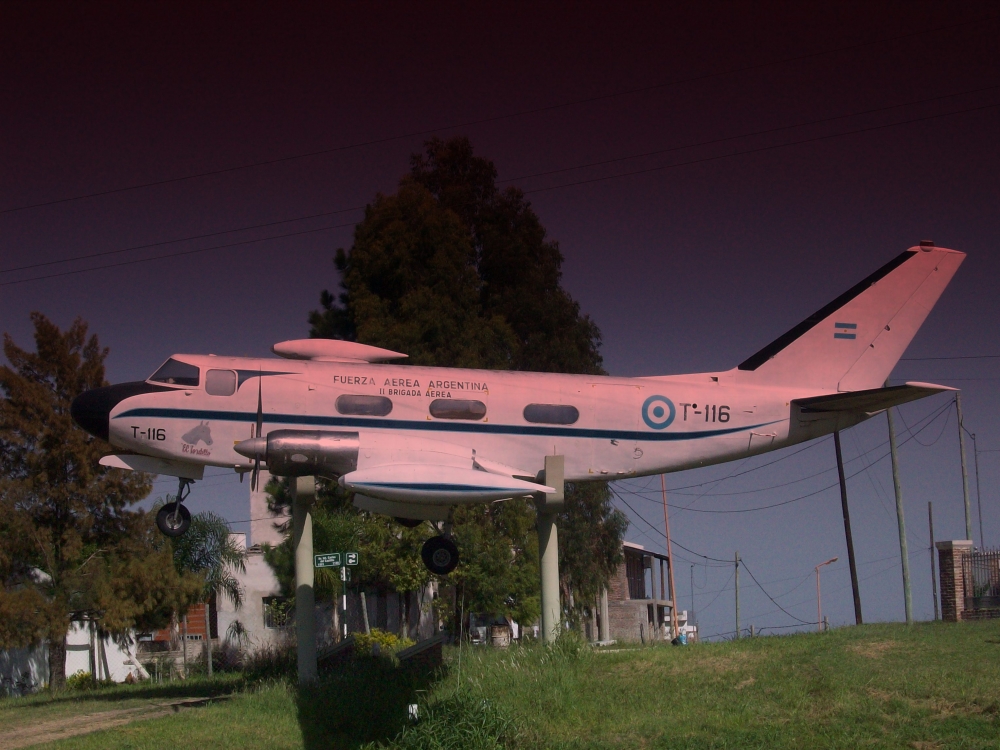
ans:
(412, 442)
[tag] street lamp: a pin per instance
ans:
(819, 605)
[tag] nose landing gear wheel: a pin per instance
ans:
(440, 555)
(173, 519)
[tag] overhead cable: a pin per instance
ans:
(498, 118)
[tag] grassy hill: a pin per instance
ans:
(933, 685)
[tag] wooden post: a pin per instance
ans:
(900, 521)
(737, 594)
(965, 473)
(847, 529)
(934, 585)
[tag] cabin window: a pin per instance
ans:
(366, 406)
(551, 413)
(174, 372)
(220, 382)
(457, 408)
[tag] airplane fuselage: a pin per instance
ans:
(606, 427)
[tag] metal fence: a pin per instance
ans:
(981, 573)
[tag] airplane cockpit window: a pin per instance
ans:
(174, 372)
(220, 382)
(366, 406)
(551, 413)
(457, 408)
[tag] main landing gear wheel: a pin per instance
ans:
(440, 555)
(173, 519)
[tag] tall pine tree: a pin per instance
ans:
(456, 272)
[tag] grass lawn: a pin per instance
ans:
(934, 685)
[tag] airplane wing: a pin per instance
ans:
(166, 466)
(869, 401)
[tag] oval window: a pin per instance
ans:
(365, 406)
(174, 372)
(551, 413)
(220, 382)
(457, 408)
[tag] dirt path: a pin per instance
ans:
(73, 726)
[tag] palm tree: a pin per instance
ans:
(207, 548)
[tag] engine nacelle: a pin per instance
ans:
(300, 453)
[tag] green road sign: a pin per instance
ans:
(329, 560)
(352, 558)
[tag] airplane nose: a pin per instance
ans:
(91, 409)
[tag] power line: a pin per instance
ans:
(750, 134)
(498, 118)
(799, 619)
(802, 497)
(762, 149)
(968, 356)
(179, 239)
(176, 254)
(571, 168)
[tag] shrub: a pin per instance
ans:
(85, 681)
(388, 643)
(458, 722)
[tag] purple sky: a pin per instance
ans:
(685, 268)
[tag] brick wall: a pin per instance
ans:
(950, 556)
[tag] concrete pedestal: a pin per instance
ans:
(548, 546)
(305, 598)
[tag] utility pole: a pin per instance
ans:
(737, 594)
(979, 502)
(965, 474)
(901, 522)
(691, 613)
(930, 522)
(821, 623)
(847, 529)
(670, 564)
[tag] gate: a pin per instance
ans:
(981, 574)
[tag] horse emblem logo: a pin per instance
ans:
(200, 433)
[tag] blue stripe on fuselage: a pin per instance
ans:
(416, 425)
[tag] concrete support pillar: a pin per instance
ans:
(305, 598)
(548, 546)
(605, 623)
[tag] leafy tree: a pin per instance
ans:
(70, 547)
(389, 553)
(456, 272)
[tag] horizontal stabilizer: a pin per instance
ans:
(870, 401)
(152, 465)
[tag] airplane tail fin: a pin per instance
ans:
(853, 343)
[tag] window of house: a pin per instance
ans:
(551, 413)
(220, 382)
(367, 406)
(174, 372)
(278, 612)
(457, 408)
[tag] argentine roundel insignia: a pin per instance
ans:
(658, 412)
